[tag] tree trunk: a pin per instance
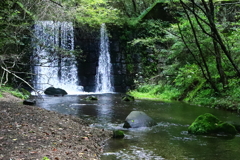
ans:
(217, 35)
(209, 78)
(134, 6)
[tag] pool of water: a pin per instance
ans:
(169, 139)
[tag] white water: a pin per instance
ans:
(51, 68)
(103, 77)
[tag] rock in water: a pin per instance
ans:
(127, 98)
(138, 119)
(90, 98)
(209, 124)
(118, 134)
(55, 91)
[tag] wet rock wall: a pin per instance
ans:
(88, 42)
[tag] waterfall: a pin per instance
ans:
(103, 76)
(54, 62)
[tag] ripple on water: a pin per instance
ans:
(133, 153)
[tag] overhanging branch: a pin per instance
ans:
(59, 4)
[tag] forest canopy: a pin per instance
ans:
(191, 58)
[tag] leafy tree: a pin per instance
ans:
(203, 40)
(15, 22)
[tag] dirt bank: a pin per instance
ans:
(31, 133)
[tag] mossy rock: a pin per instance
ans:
(118, 134)
(91, 98)
(209, 124)
(127, 98)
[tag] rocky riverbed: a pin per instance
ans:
(32, 133)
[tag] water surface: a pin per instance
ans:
(168, 140)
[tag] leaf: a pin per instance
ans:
(34, 152)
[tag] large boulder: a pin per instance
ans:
(55, 91)
(209, 124)
(138, 119)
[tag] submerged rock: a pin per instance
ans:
(127, 98)
(209, 124)
(90, 98)
(138, 119)
(55, 91)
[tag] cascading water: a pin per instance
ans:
(54, 62)
(103, 77)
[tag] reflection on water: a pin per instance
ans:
(168, 140)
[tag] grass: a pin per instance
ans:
(160, 92)
(21, 93)
(200, 95)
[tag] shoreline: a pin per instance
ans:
(30, 132)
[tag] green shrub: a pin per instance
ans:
(45, 158)
(166, 92)
(144, 88)
(22, 93)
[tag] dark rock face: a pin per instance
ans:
(209, 124)
(55, 91)
(87, 68)
(138, 119)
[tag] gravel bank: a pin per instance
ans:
(31, 133)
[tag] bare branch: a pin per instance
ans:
(7, 71)
(56, 3)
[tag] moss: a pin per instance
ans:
(208, 124)
(118, 134)
(227, 127)
(20, 93)
(127, 98)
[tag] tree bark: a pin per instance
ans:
(218, 37)
(134, 6)
(209, 78)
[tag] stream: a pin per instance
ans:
(169, 139)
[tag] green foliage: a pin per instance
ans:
(96, 12)
(185, 65)
(118, 134)
(22, 93)
(45, 158)
(161, 91)
(147, 44)
(144, 88)
(12, 26)
(187, 75)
